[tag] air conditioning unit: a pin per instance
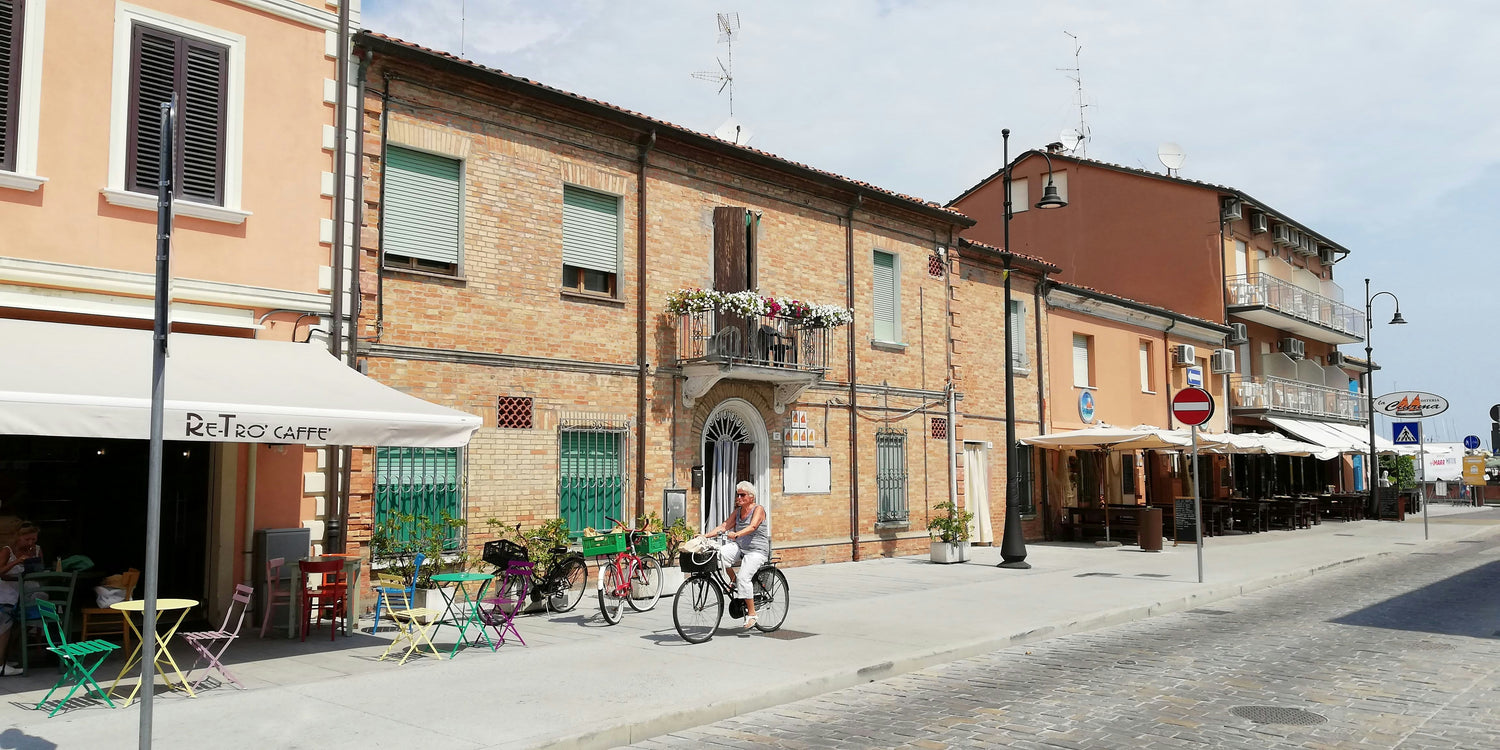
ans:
(1336, 359)
(1282, 235)
(1325, 254)
(1222, 362)
(1186, 355)
(1230, 208)
(1309, 245)
(1259, 223)
(1240, 335)
(1294, 348)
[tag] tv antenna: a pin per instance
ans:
(1172, 156)
(1076, 139)
(729, 28)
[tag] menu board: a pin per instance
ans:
(1184, 521)
(1387, 505)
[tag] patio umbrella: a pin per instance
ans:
(1098, 436)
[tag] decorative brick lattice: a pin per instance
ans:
(940, 428)
(513, 413)
(935, 266)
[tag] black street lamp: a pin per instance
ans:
(1370, 386)
(1013, 543)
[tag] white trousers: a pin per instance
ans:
(749, 563)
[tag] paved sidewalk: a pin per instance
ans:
(582, 683)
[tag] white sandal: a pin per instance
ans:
(749, 622)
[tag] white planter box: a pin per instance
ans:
(434, 598)
(671, 578)
(945, 553)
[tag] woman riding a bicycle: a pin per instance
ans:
(748, 529)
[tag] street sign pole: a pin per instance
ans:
(1197, 505)
(1422, 485)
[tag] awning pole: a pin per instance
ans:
(160, 328)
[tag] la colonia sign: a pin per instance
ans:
(1411, 404)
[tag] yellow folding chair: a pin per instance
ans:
(413, 624)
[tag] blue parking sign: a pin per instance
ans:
(1406, 433)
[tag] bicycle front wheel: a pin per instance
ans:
(645, 585)
(568, 584)
(697, 609)
(612, 594)
(772, 599)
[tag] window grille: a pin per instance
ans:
(1025, 481)
(935, 266)
(939, 428)
(514, 413)
(593, 456)
(417, 489)
(890, 475)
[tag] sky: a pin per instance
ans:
(1375, 123)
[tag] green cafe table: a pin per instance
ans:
(465, 614)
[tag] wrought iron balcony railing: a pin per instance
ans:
(766, 341)
(1264, 290)
(1283, 396)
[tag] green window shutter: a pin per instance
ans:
(591, 230)
(413, 485)
(884, 298)
(423, 212)
(591, 479)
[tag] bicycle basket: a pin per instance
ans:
(698, 562)
(501, 552)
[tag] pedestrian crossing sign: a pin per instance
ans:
(1406, 433)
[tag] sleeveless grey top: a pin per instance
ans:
(758, 540)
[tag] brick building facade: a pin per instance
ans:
(506, 270)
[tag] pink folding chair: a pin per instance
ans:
(276, 593)
(211, 644)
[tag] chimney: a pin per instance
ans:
(1055, 147)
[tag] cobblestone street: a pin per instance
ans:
(1395, 653)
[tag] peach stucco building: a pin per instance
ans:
(251, 253)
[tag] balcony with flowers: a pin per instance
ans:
(750, 336)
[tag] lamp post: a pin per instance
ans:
(1370, 386)
(1013, 543)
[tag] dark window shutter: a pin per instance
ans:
(201, 142)
(731, 266)
(11, 14)
(162, 64)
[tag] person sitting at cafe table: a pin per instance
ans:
(21, 556)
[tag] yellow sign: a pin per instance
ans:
(1473, 469)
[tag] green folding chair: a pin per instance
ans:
(49, 586)
(79, 660)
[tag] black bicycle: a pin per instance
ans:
(561, 584)
(699, 604)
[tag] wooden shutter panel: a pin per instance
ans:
(1080, 360)
(883, 301)
(731, 265)
(1016, 327)
(153, 71)
(591, 230)
(11, 13)
(200, 162)
(423, 211)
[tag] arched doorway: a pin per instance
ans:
(736, 448)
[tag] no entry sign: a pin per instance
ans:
(1192, 406)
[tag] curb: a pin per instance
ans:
(637, 730)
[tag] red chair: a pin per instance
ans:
(330, 595)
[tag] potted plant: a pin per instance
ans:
(400, 537)
(950, 533)
(539, 541)
(671, 574)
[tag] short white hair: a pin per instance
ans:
(745, 487)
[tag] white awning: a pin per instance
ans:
(1339, 437)
(92, 381)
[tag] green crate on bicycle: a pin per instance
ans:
(604, 544)
(651, 544)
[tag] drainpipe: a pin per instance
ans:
(385, 105)
(640, 328)
(951, 387)
(335, 489)
(1041, 398)
(853, 392)
(250, 514)
(355, 291)
(1166, 361)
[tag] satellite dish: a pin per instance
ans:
(735, 132)
(1070, 138)
(1171, 156)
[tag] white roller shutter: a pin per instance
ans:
(1081, 360)
(591, 230)
(423, 210)
(884, 298)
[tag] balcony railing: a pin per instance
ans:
(1259, 289)
(766, 341)
(1280, 395)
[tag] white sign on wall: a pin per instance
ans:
(798, 434)
(806, 475)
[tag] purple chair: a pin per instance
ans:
(500, 612)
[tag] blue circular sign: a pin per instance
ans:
(1471, 442)
(1086, 406)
